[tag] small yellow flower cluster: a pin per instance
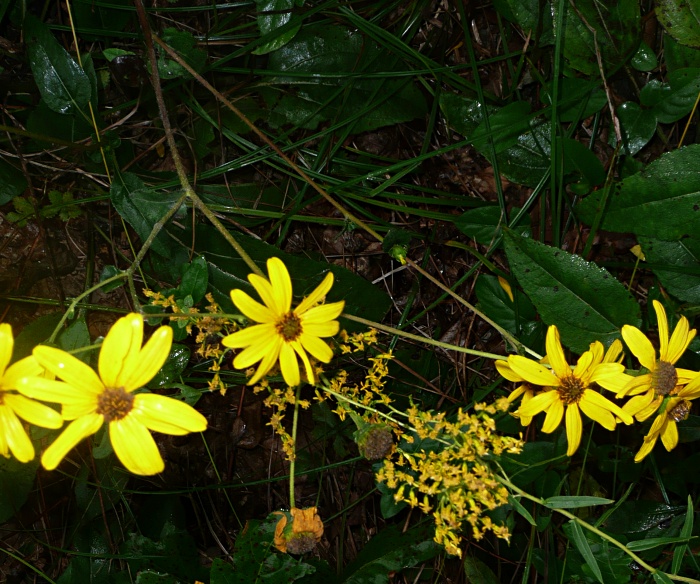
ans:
(278, 400)
(453, 480)
(211, 327)
(564, 391)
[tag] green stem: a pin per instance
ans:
(598, 532)
(293, 461)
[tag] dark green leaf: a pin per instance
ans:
(35, 333)
(391, 551)
(662, 578)
(478, 573)
(520, 509)
(572, 502)
(585, 301)
(579, 98)
(580, 161)
(575, 534)
(75, 336)
(641, 545)
(330, 68)
(195, 280)
(177, 361)
(185, 45)
(662, 201)
(678, 56)
(148, 577)
(482, 223)
(64, 86)
(530, 464)
(532, 16)
(273, 15)
(504, 128)
(16, 482)
(674, 100)
(643, 517)
(12, 182)
(644, 59)
(108, 272)
(637, 126)
(686, 532)
(617, 26)
(676, 265)
(681, 19)
(142, 208)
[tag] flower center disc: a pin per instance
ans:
(664, 378)
(571, 390)
(115, 404)
(289, 327)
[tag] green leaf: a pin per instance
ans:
(583, 300)
(686, 532)
(618, 28)
(108, 272)
(390, 551)
(532, 16)
(273, 15)
(195, 280)
(676, 265)
(142, 208)
(662, 201)
(149, 577)
(478, 573)
(505, 127)
(678, 56)
(641, 545)
(575, 534)
(16, 482)
(674, 100)
(185, 45)
(579, 98)
(34, 333)
(681, 19)
(637, 127)
(174, 365)
(12, 182)
(255, 560)
(517, 505)
(75, 336)
(332, 73)
(482, 223)
(580, 161)
(574, 502)
(64, 86)
(662, 578)
(644, 59)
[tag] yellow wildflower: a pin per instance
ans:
(90, 400)
(663, 378)
(569, 390)
(283, 334)
(13, 405)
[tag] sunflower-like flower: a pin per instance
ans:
(675, 409)
(525, 390)
(90, 400)
(569, 391)
(282, 333)
(663, 377)
(14, 405)
(298, 531)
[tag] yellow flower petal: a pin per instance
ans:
(135, 447)
(281, 285)
(74, 433)
(574, 429)
(531, 371)
(680, 340)
(555, 412)
(638, 403)
(325, 329)
(646, 448)
(636, 385)
(583, 368)
(71, 370)
(597, 413)
(33, 412)
(253, 335)
(27, 367)
(167, 415)
(268, 361)
(595, 398)
(610, 376)
(538, 404)
(651, 409)
(317, 295)
(251, 308)
(669, 435)
(614, 352)
(148, 361)
(54, 391)
(555, 353)
(506, 372)
(640, 346)
(266, 292)
(15, 436)
(321, 313)
(319, 349)
(662, 322)
(290, 366)
(254, 353)
(305, 360)
(7, 343)
(120, 349)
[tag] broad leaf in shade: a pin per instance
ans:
(16, 482)
(533, 16)
(272, 16)
(64, 86)
(335, 73)
(681, 19)
(585, 301)
(12, 182)
(661, 201)
(676, 265)
(618, 29)
(637, 126)
(671, 101)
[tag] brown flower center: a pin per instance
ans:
(115, 404)
(571, 389)
(664, 378)
(680, 411)
(289, 327)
